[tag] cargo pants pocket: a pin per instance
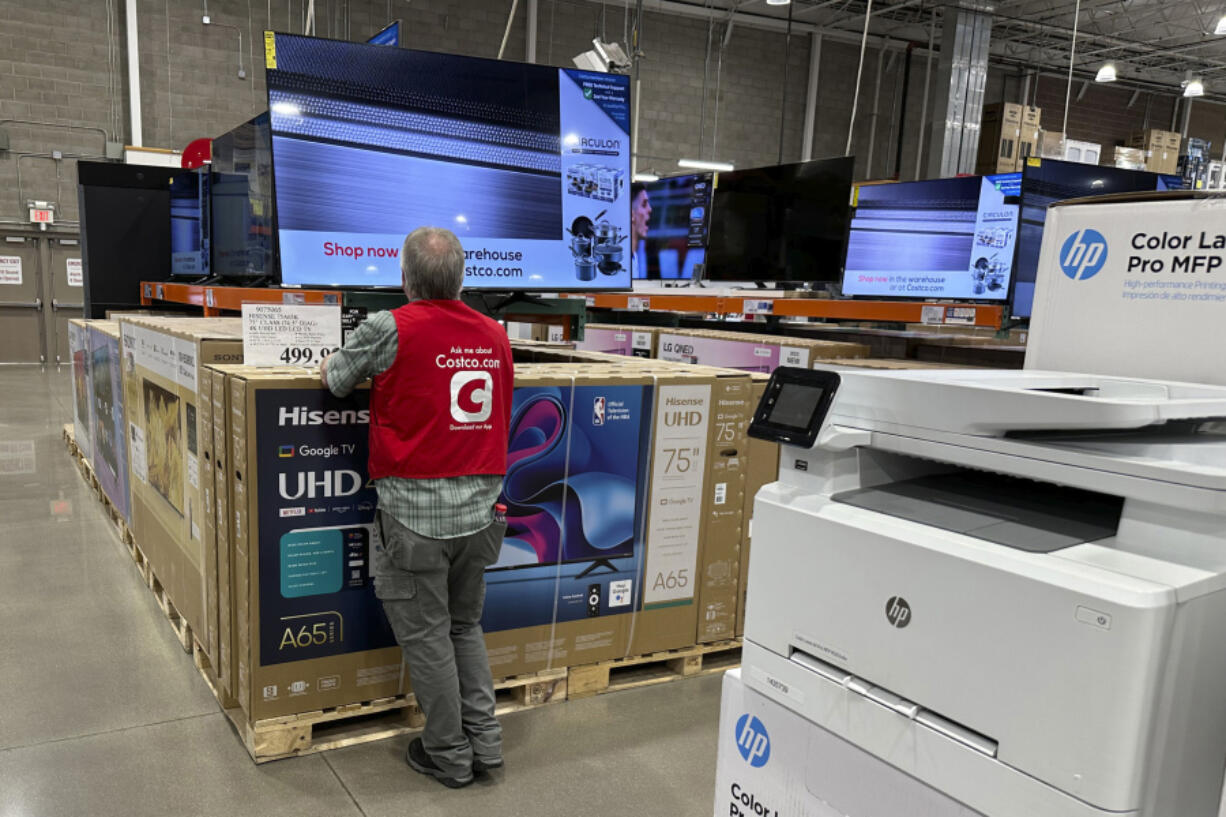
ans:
(389, 559)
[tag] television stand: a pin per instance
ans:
(596, 564)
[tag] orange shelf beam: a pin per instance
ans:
(217, 299)
(848, 310)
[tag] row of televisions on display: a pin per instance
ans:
(530, 166)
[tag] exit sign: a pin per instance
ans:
(39, 215)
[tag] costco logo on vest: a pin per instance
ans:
(472, 397)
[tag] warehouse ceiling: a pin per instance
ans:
(1153, 43)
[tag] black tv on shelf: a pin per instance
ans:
(243, 209)
(528, 165)
(190, 208)
(1047, 181)
(785, 223)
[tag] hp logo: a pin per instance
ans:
(898, 612)
(1083, 254)
(752, 741)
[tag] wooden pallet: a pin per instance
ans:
(338, 727)
(656, 668)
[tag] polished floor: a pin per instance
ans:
(101, 712)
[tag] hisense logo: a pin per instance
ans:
(302, 416)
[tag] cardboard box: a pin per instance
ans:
(1161, 149)
(763, 469)
(749, 352)
(108, 423)
(772, 761)
(1130, 158)
(78, 346)
(1087, 153)
(163, 359)
(223, 446)
(631, 341)
(1104, 306)
(632, 447)
(1051, 145)
(1009, 135)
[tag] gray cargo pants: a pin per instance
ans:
(433, 591)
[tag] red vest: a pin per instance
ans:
(443, 408)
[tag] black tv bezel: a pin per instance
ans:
(280, 280)
(851, 165)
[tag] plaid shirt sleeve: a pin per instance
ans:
(370, 350)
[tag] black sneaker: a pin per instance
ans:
(482, 765)
(417, 758)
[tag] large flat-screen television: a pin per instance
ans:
(528, 165)
(668, 226)
(1048, 181)
(243, 210)
(189, 223)
(786, 223)
(943, 239)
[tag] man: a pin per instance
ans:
(440, 405)
(640, 215)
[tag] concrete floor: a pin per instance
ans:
(103, 714)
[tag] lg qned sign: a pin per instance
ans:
(786, 223)
(528, 165)
(945, 238)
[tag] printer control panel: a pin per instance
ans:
(794, 406)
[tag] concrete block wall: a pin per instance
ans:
(63, 62)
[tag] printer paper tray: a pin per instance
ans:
(947, 760)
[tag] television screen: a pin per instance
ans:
(1050, 181)
(574, 463)
(944, 238)
(189, 223)
(528, 165)
(786, 223)
(243, 242)
(673, 240)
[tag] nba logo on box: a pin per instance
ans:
(598, 407)
(752, 741)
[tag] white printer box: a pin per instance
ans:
(774, 763)
(1133, 286)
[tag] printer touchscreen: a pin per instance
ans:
(794, 406)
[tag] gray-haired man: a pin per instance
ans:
(440, 406)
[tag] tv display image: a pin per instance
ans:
(163, 450)
(1050, 181)
(675, 241)
(189, 223)
(242, 206)
(944, 238)
(786, 223)
(528, 165)
(571, 488)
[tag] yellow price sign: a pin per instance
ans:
(270, 50)
(1034, 161)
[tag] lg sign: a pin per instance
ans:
(1083, 255)
(472, 397)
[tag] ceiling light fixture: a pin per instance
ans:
(1106, 73)
(702, 164)
(1221, 27)
(1193, 88)
(778, 2)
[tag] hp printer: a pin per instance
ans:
(1006, 584)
